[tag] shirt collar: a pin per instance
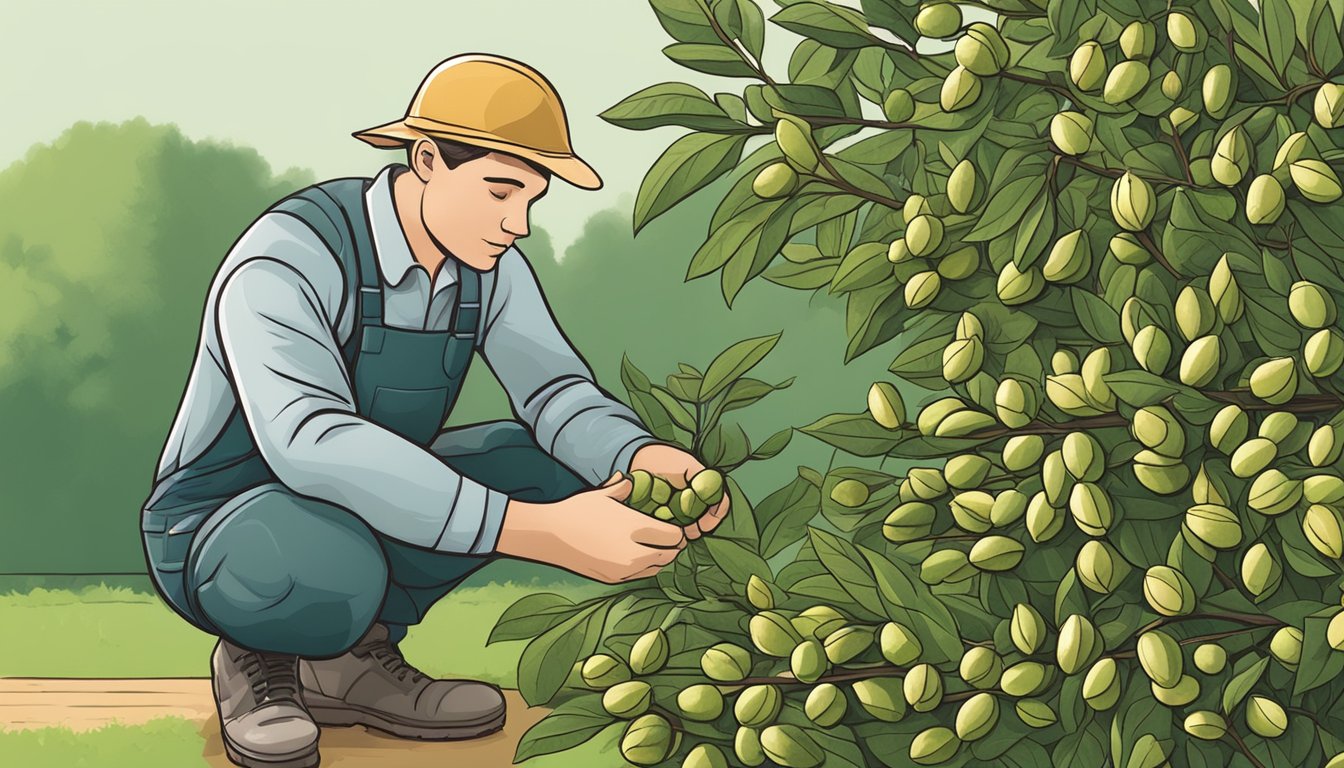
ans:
(393, 252)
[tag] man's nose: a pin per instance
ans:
(515, 225)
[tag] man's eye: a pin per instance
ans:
(498, 197)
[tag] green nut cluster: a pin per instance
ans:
(654, 496)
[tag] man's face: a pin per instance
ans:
(479, 208)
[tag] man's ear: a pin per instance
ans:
(426, 155)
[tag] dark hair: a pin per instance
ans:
(455, 153)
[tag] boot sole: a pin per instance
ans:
(345, 715)
(239, 757)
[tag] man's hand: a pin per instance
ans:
(592, 533)
(678, 467)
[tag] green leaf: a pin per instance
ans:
(847, 565)
(670, 104)
(736, 560)
(753, 27)
(633, 378)
(806, 277)
(784, 514)
(734, 362)
(1241, 684)
(715, 59)
(1276, 24)
(1096, 317)
(569, 725)
(773, 445)
(1139, 388)
(825, 23)
(685, 20)
(654, 415)
(854, 433)
(1320, 663)
(548, 659)
(866, 265)
(1006, 208)
(530, 616)
(690, 163)
(674, 408)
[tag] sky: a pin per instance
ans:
(293, 79)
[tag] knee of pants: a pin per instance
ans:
(287, 574)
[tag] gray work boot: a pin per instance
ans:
(262, 721)
(372, 685)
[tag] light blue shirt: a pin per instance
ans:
(271, 338)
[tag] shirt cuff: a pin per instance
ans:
(627, 454)
(474, 520)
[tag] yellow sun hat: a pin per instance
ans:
(494, 102)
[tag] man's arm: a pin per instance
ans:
(282, 357)
(548, 383)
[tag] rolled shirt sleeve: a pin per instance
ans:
(283, 359)
(550, 386)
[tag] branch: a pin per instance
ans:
(728, 41)
(1147, 241)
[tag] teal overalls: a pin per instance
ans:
(242, 556)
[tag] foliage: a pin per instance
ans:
(1104, 234)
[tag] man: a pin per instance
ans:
(308, 505)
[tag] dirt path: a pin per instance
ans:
(86, 704)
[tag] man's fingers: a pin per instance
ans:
(656, 533)
(711, 519)
(655, 558)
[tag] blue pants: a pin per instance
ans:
(274, 571)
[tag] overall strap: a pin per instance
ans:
(467, 313)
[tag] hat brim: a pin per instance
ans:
(571, 168)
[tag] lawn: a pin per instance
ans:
(119, 631)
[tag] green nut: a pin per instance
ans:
(915, 205)
(1324, 447)
(1228, 429)
(1323, 489)
(959, 264)
(897, 252)
(1091, 509)
(1079, 644)
(1163, 475)
(708, 486)
(909, 521)
(1069, 260)
(772, 634)
(961, 88)
(938, 19)
(649, 653)
(1009, 506)
(1015, 403)
(967, 471)
(726, 662)
(705, 755)
(818, 621)
(1323, 353)
(1206, 725)
(1210, 658)
(946, 566)
(1137, 40)
(849, 493)
(885, 405)
(702, 702)
(1100, 567)
(1275, 381)
(1311, 305)
(1195, 313)
(1292, 149)
(1217, 90)
(1157, 428)
(1182, 693)
(961, 185)
(603, 671)
(1124, 82)
(1168, 591)
(1027, 628)
(881, 697)
(1286, 646)
(1253, 456)
(1071, 132)
(1036, 714)
(1132, 200)
(1231, 157)
(923, 688)
(794, 137)
(1199, 363)
(826, 705)
(923, 235)
(933, 746)
(1160, 657)
(1016, 287)
(1185, 33)
(996, 553)
(1226, 292)
(847, 642)
(1101, 685)
(1265, 717)
(775, 180)
(1083, 457)
(1215, 525)
(808, 661)
(980, 667)
(641, 485)
(926, 483)
(1152, 349)
(1043, 520)
(1264, 200)
(981, 50)
(1328, 105)
(1273, 493)
(747, 746)
(757, 705)
(649, 740)
(899, 106)
(971, 510)
(627, 700)
(1260, 572)
(922, 289)
(760, 594)
(1148, 752)
(1315, 180)
(1334, 632)
(899, 645)
(1127, 250)
(977, 716)
(1022, 452)
(962, 359)
(1087, 66)
(1324, 530)
(1025, 678)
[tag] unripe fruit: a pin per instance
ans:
(627, 700)
(922, 289)
(1160, 474)
(1160, 657)
(899, 645)
(1183, 692)
(899, 106)
(847, 642)
(849, 493)
(1152, 349)
(1087, 66)
(1083, 457)
(885, 405)
(1323, 353)
(915, 205)
(808, 661)
(818, 621)
(1071, 132)
(1043, 520)
(1215, 525)
(775, 180)
(1225, 292)
(961, 186)
(757, 705)
(1027, 628)
(996, 553)
(1210, 658)
(1315, 180)
(1155, 427)
(909, 521)
(1063, 362)
(1182, 118)
(1015, 403)
(1124, 82)
(1171, 87)
(981, 50)
(1253, 456)
(962, 359)
(1185, 33)
(1273, 493)
(1328, 105)
(1311, 305)
(959, 264)
(967, 471)
(923, 235)
(826, 705)
(1069, 259)
(1101, 685)
(649, 740)
(1286, 646)
(971, 510)
(1278, 425)
(1022, 452)
(1091, 509)
(980, 667)
(1324, 530)
(649, 653)
(1206, 725)
(705, 755)
(1100, 567)
(923, 688)
(1017, 287)
(1260, 573)
(1231, 158)
(708, 486)
(1079, 644)
(960, 90)
(977, 716)
(946, 566)
(927, 482)
(603, 671)
(881, 697)
(1199, 363)
(1292, 149)
(747, 746)
(897, 252)
(1324, 447)
(1009, 506)
(702, 702)
(1137, 40)
(1264, 200)
(1168, 591)
(759, 593)
(794, 137)
(1228, 429)
(935, 745)
(772, 634)
(1132, 201)
(791, 747)
(1025, 678)
(938, 20)
(1035, 714)
(726, 662)
(1265, 717)
(1334, 631)
(1323, 489)
(1217, 90)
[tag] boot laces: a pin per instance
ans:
(272, 675)
(390, 657)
